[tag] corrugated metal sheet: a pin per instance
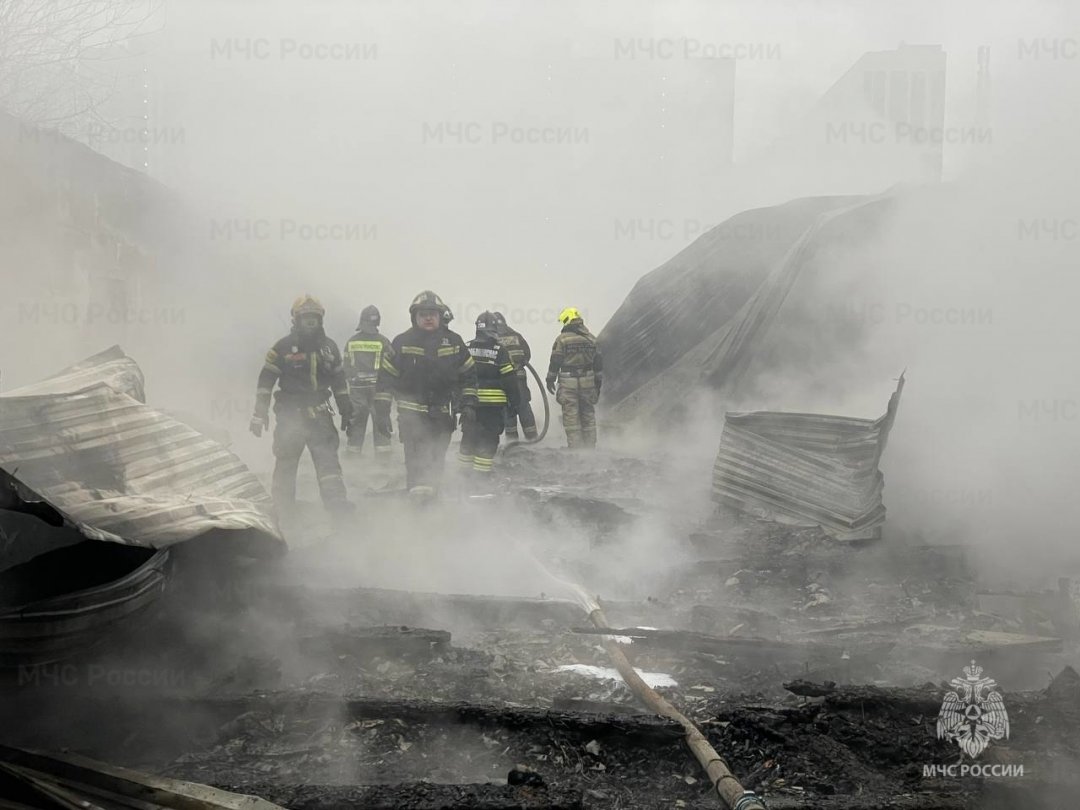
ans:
(73, 781)
(720, 359)
(111, 367)
(61, 626)
(124, 472)
(806, 469)
(699, 290)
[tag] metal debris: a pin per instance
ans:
(806, 469)
(120, 471)
(71, 781)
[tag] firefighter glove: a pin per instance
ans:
(468, 415)
(258, 424)
(551, 385)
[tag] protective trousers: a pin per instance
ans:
(524, 412)
(426, 438)
(364, 405)
(578, 397)
(296, 429)
(480, 441)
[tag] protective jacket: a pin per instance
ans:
(516, 347)
(363, 358)
(496, 388)
(575, 354)
(364, 353)
(496, 380)
(307, 371)
(577, 366)
(427, 371)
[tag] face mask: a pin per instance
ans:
(308, 324)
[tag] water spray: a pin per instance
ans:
(727, 786)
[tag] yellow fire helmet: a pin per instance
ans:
(307, 305)
(569, 314)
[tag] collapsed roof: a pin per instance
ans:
(698, 321)
(119, 471)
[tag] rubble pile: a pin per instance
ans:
(815, 666)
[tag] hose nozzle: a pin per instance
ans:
(749, 801)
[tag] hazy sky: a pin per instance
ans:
(281, 125)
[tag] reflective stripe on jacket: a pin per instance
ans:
(427, 370)
(496, 380)
(363, 358)
(575, 354)
(306, 372)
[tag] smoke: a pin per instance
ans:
(530, 157)
(968, 290)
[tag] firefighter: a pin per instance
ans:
(428, 368)
(363, 356)
(496, 388)
(518, 348)
(306, 366)
(578, 368)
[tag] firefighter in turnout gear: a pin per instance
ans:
(496, 388)
(428, 368)
(518, 349)
(306, 366)
(578, 368)
(363, 357)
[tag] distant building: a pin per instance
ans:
(80, 240)
(881, 123)
(127, 126)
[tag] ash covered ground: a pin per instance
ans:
(420, 656)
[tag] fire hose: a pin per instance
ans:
(547, 413)
(727, 786)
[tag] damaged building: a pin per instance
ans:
(774, 629)
(729, 602)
